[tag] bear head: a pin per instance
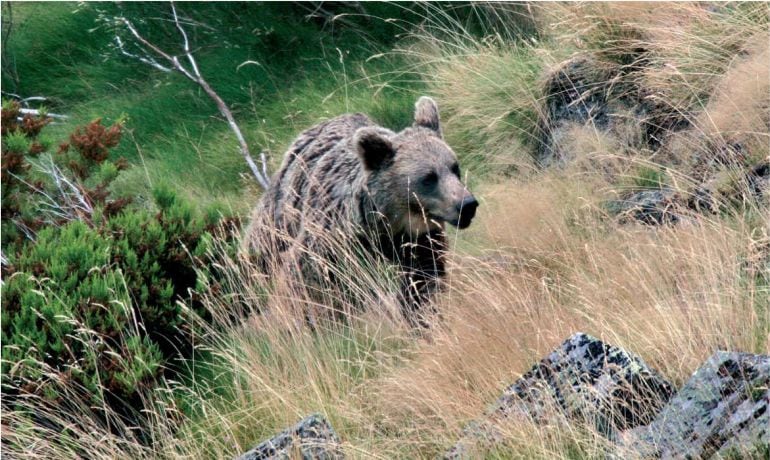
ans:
(413, 176)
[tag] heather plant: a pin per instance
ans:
(44, 188)
(92, 287)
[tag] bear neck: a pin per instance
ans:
(382, 220)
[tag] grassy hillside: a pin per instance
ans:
(562, 115)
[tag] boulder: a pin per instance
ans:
(759, 179)
(311, 439)
(589, 378)
(575, 93)
(651, 207)
(584, 379)
(591, 92)
(660, 206)
(722, 411)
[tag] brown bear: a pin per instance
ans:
(393, 191)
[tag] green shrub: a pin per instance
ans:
(65, 309)
(94, 290)
(117, 284)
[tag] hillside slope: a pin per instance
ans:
(278, 66)
(621, 154)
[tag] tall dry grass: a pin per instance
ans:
(671, 295)
(696, 65)
(544, 261)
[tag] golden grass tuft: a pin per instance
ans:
(671, 295)
(739, 110)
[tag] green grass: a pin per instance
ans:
(649, 177)
(306, 71)
(489, 98)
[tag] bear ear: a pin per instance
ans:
(426, 115)
(373, 147)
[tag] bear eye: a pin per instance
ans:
(430, 179)
(456, 170)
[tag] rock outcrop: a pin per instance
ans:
(584, 379)
(721, 411)
(596, 93)
(311, 439)
(588, 378)
(652, 207)
(592, 104)
(576, 94)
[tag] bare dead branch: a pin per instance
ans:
(187, 52)
(194, 74)
(263, 160)
(145, 59)
(25, 110)
(37, 112)
(24, 101)
(65, 202)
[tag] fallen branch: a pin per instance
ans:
(36, 112)
(192, 73)
(27, 111)
(65, 202)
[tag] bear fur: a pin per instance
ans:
(393, 192)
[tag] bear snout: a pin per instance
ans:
(466, 210)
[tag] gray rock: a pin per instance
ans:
(312, 439)
(576, 92)
(584, 379)
(652, 207)
(591, 92)
(665, 206)
(589, 378)
(759, 179)
(721, 411)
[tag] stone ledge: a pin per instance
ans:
(313, 438)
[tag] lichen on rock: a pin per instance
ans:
(313, 438)
(584, 379)
(721, 411)
(590, 379)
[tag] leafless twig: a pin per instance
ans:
(193, 73)
(37, 112)
(65, 202)
(147, 60)
(24, 102)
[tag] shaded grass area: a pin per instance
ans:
(294, 70)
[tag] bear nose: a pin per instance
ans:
(468, 205)
(466, 209)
